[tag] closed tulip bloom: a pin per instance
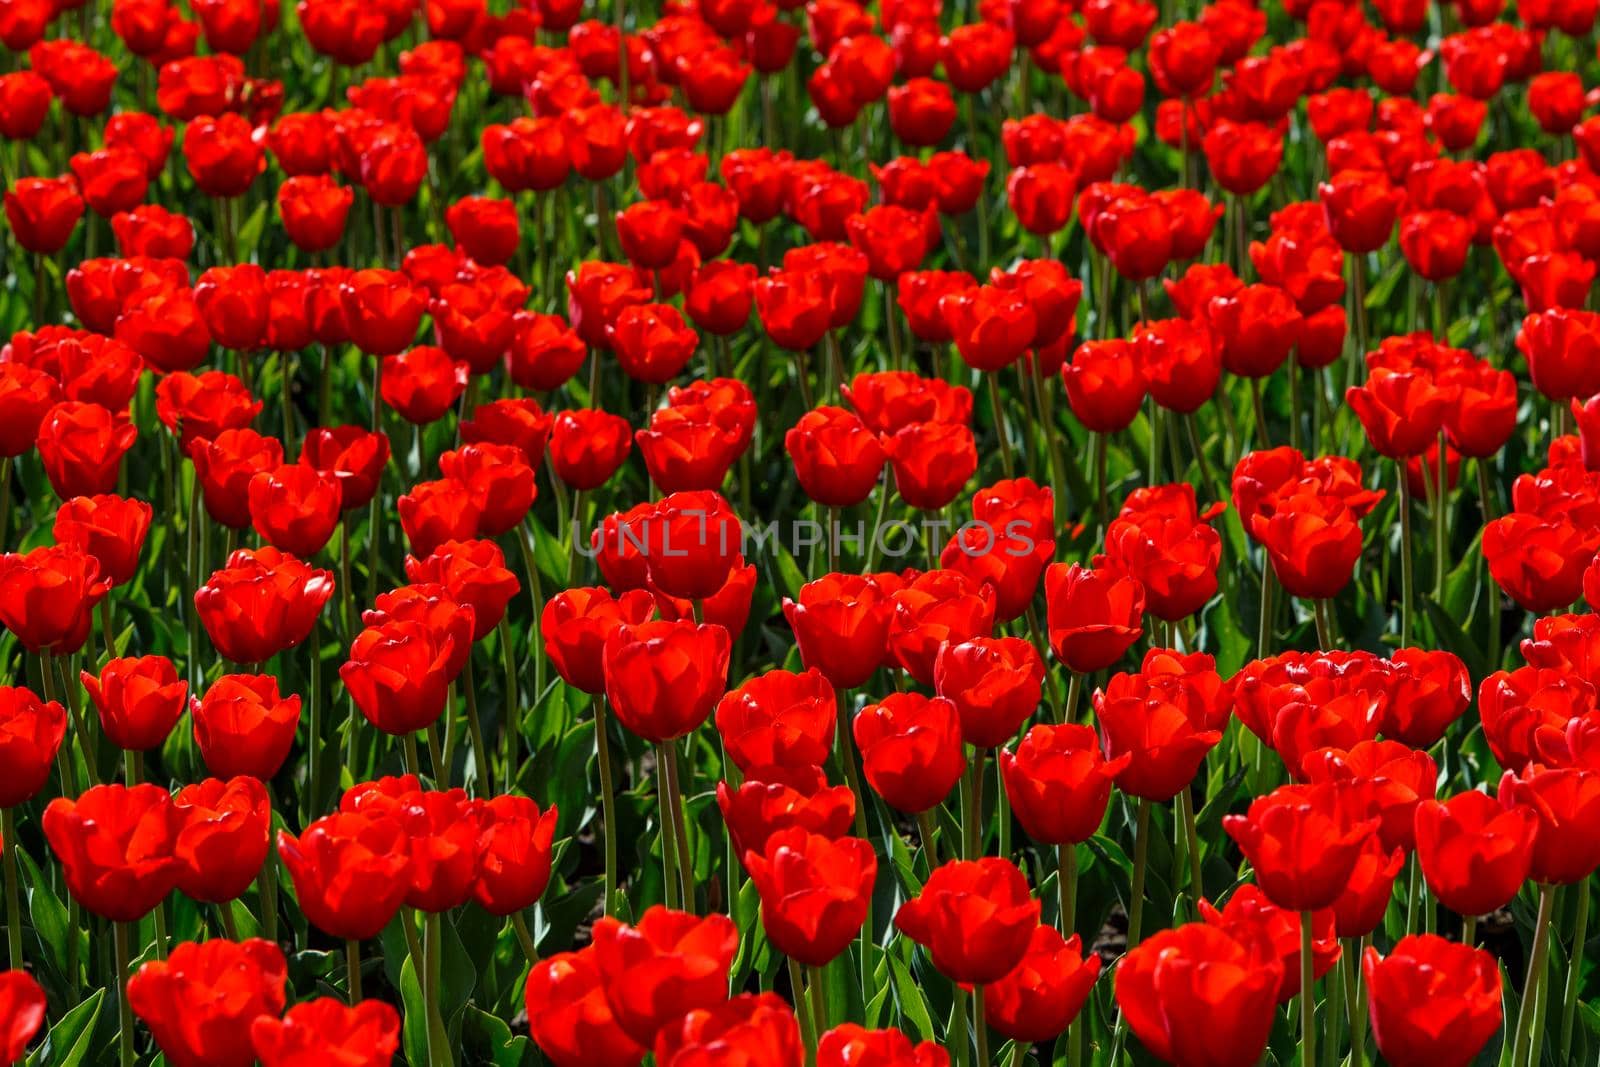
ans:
(354, 456)
(382, 309)
(1257, 326)
(975, 917)
(1251, 917)
(1432, 691)
(575, 624)
(295, 507)
(910, 749)
(889, 401)
(116, 845)
(994, 682)
(22, 1005)
(48, 597)
(314, 208)
(588, 446)
(513, 854)
(243, 726)
(668, 965)
(1196, 995)
(1566, 846)
(397, 675)
(1432, 1002)
(652, 342)
(1105, 384)
(1092, 617)
(1243, 156)
(1313, 542)
(263, 602)
(226, 466)
(139, 700)
(1038, 1000)
(422, 384)
(1401, 412)
(26, 395)
(1167, 716)
(1539, 563)
(350, 872)
(837, 459)
(1366, 896)
(435, 512)
(570, 1018)
(841, 625)
(932, 462)
(939, 607)
(445, 831)
(1303, 841)
(31, 731)
(1562, 348)
(81, 446)
(1475, 853)
(325, 1030)
(849, 1045)
(751, 1027)
(221, 155)
(487, 228)
(772, 799)
(1058, 783)
(500, 480)
(1395, 779)
(223, 840)
(693, 543)
(25, 102)
(1361, 208)
(991, 326)
(1435, 243)
(200, 1002)
(663, 678)
(110, 528)
(111, 180)
(779, 717)
(793, 306)
(815, 892)
(43, 212)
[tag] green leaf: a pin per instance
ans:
(907, 994)
(414, 1025)
(490, 1039)
(49, 916)
(68, 1041)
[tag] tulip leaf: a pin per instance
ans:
(49, 917)
(68, 1041)
(490, 1040)
(414, 1024)
(908, 996)
(250, 232)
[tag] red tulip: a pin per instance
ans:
(975, 917)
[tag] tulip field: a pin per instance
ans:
(799, 533)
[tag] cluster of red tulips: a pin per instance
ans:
(1045, 618)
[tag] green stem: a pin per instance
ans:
(972, 820)
(808, 1029)
(1569, 998)
(352, 968)
(524, 937)
(13, 897)
(1192, 840)
(1067, 884)
(668, 835)
(679, 826)
(1308, 994)
(1441, 502)
(998, 415)
(124, 1009)
(433, 951)
(484, 769)
(980, 1028)
(59, 687)
(1524, 1050)
(1355, 993)
(957, 1038)
(1141, 857)
(230, 928)
(267, 886)
(1407, 578)
(608, 802)
(1486, 501)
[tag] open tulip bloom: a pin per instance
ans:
(782, 534)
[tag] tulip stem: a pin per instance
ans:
(352, 968)
(1141, 856)
(1407, 580)
(679, 824)
(668, 833)
(1308, 995)
(817, 993)
(230, 928)
(13, 899)
(971, 823)
(1067, 885)
(980, 1027)
(441, 771)
(483, 771)
(1197, 884)
(1523, 1049)
(808, 1028)
(929, 844)
(1322, 610)
(267, 885)
(1441, 501)
(124, 1009)
(1469, 930)
(608, 812)
(433, 953)
(1355, 1002)
(57, 688)
(524, 937)
(1569, 998)
(997, 412)
(5, 500)
(956, 1038)
(513, 717)
(314, 729)
(408, 748)
(1486, 502)
(1269, 581)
